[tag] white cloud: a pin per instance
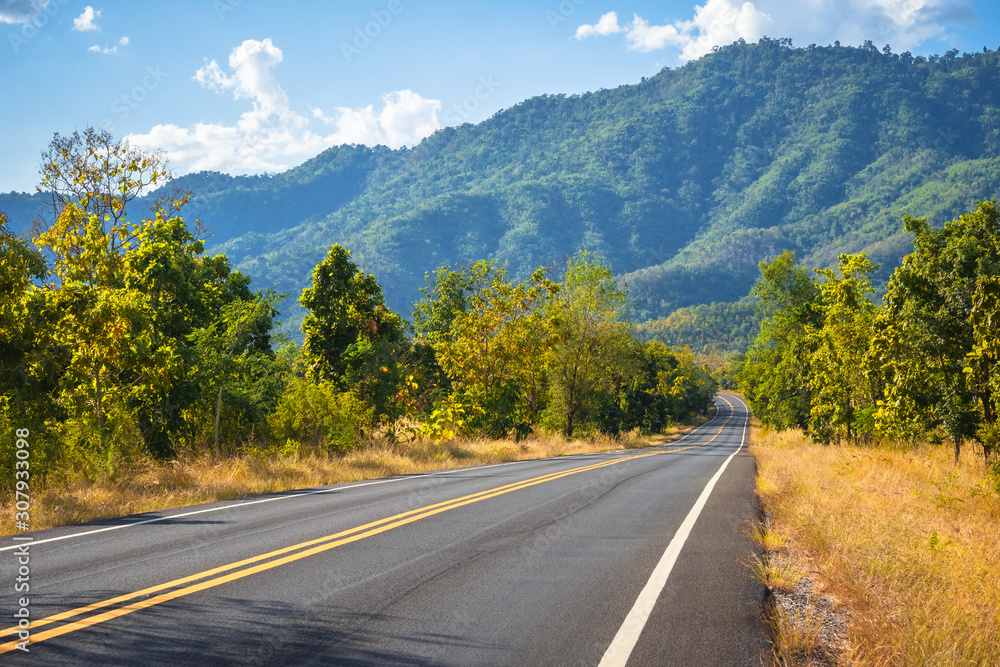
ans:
(905, 24)
(606, 25)
(85, 21)
(405, 118)
(271, 135)
(644, 37)
(109, 50)
(20, 11)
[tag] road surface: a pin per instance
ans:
(628, 557)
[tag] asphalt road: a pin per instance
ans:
(623, 557)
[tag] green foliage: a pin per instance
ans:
(925, 334)
(235, 363)
(923, 363)
(655, 388)
(320, 415)
(591, 341)
(115, 359)
(775, 374)
(562, 355)
(843, 398)
(707, 328)
(492, 351)
(351, 338)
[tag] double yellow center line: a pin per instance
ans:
(272, 559)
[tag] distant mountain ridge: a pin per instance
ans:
(684, 181)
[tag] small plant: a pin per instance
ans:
(776, 573)
(767, 540)
(796, 630)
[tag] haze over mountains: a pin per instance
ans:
(683, 181)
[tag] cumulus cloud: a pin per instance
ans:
(405, 118)
(85, 21)
(606, 25)
(905, 24)
(271, 135)
(20, 11)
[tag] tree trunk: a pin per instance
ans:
(99, 401)
(218, 413)
(958, 447)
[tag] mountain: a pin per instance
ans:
(683, 181)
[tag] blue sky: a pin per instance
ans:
(244, 86)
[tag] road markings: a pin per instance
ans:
(300, 494)
(284, 496)
(624, 642)
(303, 550)
(290, 554)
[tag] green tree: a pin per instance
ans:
(351, 338)
(21, 264)
(493, 348)
(842, 396)
(983, 362)
(591, 340)
(233, 358)
(924, 333)
(775, 375)
(114, 340)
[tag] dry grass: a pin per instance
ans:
(906, 541)
(149, 486)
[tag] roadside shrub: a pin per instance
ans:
(319, 415)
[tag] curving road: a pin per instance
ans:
(614, 558)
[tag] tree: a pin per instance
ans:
(232, 356)
(983, 362)
(492, 350)
(351, 338)
(924, 333)
(102, 176)
(842, 396)
(20, 266)
(115, 330)
(591, 339)
(775, 376)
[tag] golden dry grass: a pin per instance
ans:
(148, 486)
(908, 542)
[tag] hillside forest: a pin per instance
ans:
(682, 182)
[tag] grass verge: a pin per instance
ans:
(906, 543)
(147, 486)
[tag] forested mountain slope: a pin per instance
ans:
(684, 181)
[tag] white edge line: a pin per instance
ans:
(286, 495)
(624, 642)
